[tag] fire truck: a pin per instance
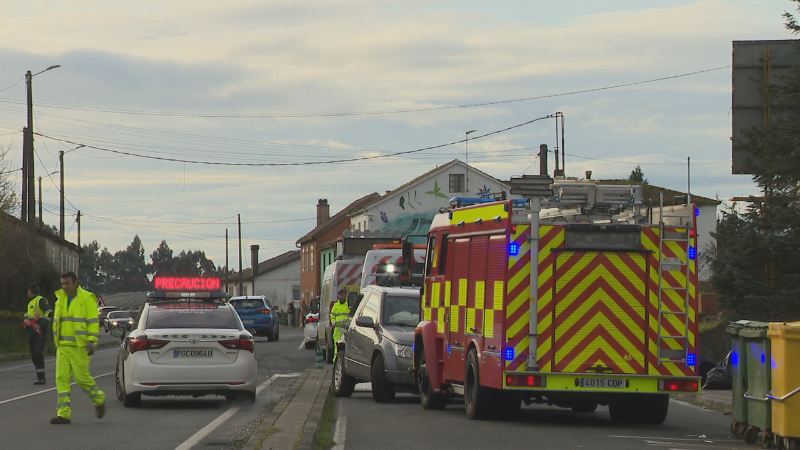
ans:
(607, 313)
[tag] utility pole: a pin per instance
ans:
(239, 219)
(29, 138)
(226, 261)
(41, 221)
(24, 213)
(61, 194)
(79, 243)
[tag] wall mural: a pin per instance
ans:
(410, 223)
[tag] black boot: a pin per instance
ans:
(39, 378)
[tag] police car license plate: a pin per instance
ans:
(178, 353)
(605, 383)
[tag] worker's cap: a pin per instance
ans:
(343, 291)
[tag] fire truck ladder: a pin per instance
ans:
(666, 354)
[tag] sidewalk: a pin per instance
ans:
(712, 399)
(295, 421)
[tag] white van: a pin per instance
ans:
(343, 273)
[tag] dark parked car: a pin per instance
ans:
(258, 315)
(377, 343)
(118, 319)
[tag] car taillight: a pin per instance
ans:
(677, 385)
(145, 344)
(262, 310)
(312, 319)
(239, 344)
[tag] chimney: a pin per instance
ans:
(254, 259)
(588, 174)
(323, 211)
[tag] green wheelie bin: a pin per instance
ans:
(756, 345)
(739, 378)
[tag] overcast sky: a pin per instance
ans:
(309, 82)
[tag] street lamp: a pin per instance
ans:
(466, 157)
(28, 197)
(61, 204)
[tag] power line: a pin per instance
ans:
(376, 112)
(307, 163)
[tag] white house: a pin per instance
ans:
(278, 279)
(411, 207)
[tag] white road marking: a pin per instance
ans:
(206, 430)
(302, 344)
(341, 428)
(46, 390)
(50, 359)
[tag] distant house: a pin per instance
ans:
(277, 278)
(410, 208)
(62, 254)
(322, 240)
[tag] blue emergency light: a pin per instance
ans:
(691, 359)
(692, 252)
(513, 249)
(508, 354)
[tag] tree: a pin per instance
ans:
(161, 259)
(757, 265)
(8, 193)
(637, 175)
(191, 263)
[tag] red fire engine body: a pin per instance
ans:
(610, 309)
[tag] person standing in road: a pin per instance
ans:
(76, 330)
(37, 322)
(339, 312)
(290, 311)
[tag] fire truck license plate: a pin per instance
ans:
(607, 383)
(177, 353)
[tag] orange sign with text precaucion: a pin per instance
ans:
(186, 284)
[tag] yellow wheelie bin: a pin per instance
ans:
(738, 378)
(785, 338)
(755, 343)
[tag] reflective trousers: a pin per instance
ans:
(36, 343)
(74, 362)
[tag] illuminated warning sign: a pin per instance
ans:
(187, 284)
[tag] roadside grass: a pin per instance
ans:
(328, 421)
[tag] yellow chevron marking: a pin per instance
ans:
(440, 320)
(454, 318)
(518, 326)
(498, 295)
(470, 320)
(462, 292)
(447, 294)
(517, 303)
(487, 213)
(583, 360)
(480, 294)
(488, 323)
(598, 273)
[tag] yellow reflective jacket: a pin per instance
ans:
(339, 311)
(35, 310)
(78, 323)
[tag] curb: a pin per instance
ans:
(294, 425)
(706, 402)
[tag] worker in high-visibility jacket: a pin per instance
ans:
(339, 313)
(76, 330)
(37, 323)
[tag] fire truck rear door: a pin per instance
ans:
(600, 310)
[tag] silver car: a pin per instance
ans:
(376, 345)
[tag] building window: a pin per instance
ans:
(295, 292)
(456, 182)
(311, 257)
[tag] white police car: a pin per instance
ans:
(189, 341)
